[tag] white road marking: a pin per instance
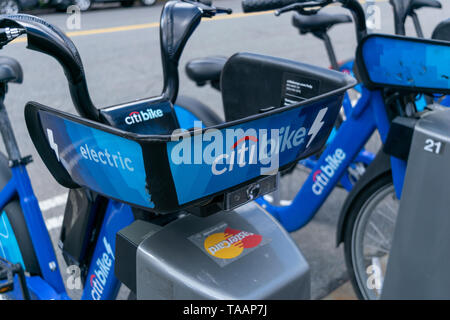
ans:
(54, 202)
(269, 198)
(45, 205)
(54, 222)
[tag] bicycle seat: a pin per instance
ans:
(319, 22)
(206, 69)
(417, 4)
(10, 70)
(442, 31)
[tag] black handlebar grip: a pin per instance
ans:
(265, 5)
(207, 2)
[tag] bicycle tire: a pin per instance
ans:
(355, 210)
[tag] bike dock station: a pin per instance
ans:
(418, 266)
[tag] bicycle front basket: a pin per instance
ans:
(165, 173)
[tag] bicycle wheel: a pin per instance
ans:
(368, 236)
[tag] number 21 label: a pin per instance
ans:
(433, 146)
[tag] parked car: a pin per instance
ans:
(86, 4)
(14, 6)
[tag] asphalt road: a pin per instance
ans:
(120, 51)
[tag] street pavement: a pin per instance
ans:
(121, 55)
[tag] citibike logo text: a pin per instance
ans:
(322, 176)
(231, 148)
(99, 277)
(141, 116)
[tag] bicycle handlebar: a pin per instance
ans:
(359, 17)
(48, 39)
(265, 5)
(298, 5)
(404, 8)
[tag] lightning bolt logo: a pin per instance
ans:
(52, 142)
(108, 247)
(316, 126)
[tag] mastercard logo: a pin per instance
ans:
(230, 243)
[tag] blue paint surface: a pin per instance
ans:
(9, 248)
(404, 62)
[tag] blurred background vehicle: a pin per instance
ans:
(15, 6)
(59, 5)
(86, 4)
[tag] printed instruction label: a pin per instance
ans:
(297, 88)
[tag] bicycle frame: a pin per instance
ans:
(50, 285)
(365, 157)
(368, 114)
